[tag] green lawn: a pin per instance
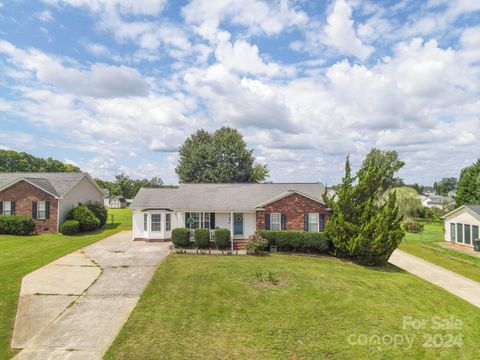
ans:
(122, 216)
(425, 245)
(20, 255)
(211, 307)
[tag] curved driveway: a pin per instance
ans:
(74, 307)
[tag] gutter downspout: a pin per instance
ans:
(231, 230)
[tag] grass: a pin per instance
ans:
(426, 246)
(121, 216)
(20, 255)
(199, 307)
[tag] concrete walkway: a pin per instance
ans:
(458, 285)
(74, 307)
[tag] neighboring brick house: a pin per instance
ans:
(46, 197)
(242, 208)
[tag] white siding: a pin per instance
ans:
(137, 224)
(84, 192)
(462, 216)
(249, 224)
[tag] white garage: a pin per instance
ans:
(462, 225)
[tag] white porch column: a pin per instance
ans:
(231, 229)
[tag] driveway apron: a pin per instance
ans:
(74, 307)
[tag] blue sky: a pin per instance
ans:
(116, 85)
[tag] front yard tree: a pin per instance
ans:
(220, 157)
(468, 189)
(363, 227)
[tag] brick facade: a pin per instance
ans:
(24, 194)
(294, 207)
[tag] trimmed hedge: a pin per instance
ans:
(222, 238)
(202, 238)
(301, 241)
(100, 212)
(16, 224)
(87, 219)
(181, 237)
(70, 227)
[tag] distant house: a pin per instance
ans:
(115, 202)
(242, 208)
(437, 201)
(46, 197)
(462, 225)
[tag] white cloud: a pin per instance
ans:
(100, 80)
(127, 7)
(341, 33)
(45, 16)
(257, 17)
(97, 49)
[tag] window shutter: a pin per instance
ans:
(283, 218)
(267, 221)
(1, 207)
(34, 210)
(187, 215)
(12, 207)
(321, 222)
(212, 220)
(47, 209)
(305, 222)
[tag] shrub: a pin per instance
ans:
(202, 237)
(16, 225)
(181, 237)
(412, 226)
(70, 227)
(86, 218)
(100, 212)
(256, 244)
(222, 238)
(296, 240)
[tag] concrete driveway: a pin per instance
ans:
(458, 285)
(74, 307)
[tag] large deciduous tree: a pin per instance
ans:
(13, 161)
(363, 227)
(220, 157)
(444, 186)
(468, 188)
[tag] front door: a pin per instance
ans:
(238, 224)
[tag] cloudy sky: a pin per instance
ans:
(116, 85)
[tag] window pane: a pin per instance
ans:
(7, 207)
(313, 222)
(275, 221)
(467, 234)
(41, 209)
(452, 232)
(206, 220)
(196, 220)
(167, 222)
(460, 233)
(145, 222)
(156, 222)
(474, 232)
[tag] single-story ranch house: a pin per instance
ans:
(462, 224)
(242, 208)
(47, 197)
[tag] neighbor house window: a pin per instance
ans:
(145, 222)
(156, 222)
(168, 222)
(313, 222)
(41, 210)
(7, 208)
(467, 234)
(275, 221)
(474, 232)
(460, 233)
(452, 232)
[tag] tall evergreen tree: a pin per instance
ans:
(468, 188)
(363, 227)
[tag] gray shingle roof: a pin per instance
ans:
(227, 197)
(57, 184)
(474, 208)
